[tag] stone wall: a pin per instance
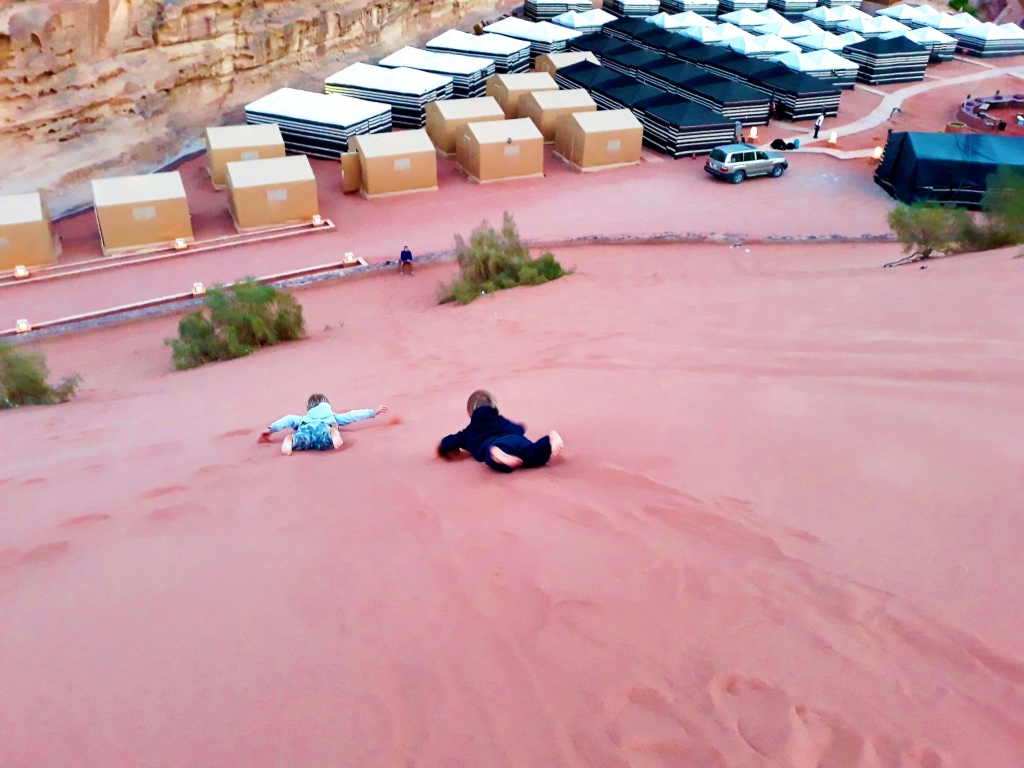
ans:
(107, 87)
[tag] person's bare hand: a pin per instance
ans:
(264, 436)
(379, 410)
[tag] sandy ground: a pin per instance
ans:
(658, 195)
(786, 531)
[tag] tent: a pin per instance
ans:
(826, 41)
(589, 76)
(945, 167)
(824, 17)
(784, 29)
(707, 8)
(408, 91)
(25, 236)
(600, 45)
(629, 60)
(585, 22)
(316, 124)
(989, 40)
(231, 143)
(944, 22)
(501, 150)
(799, 96)
(706, 35)
(852, 4)
(591, 141)
(140, 212)
(677, 77)
(791, 7)
(888, 60)
(552, 62)
(823, 64)
(468, 73)
(676, 126)
(632, 8)
(905, 13)
(679, 20)
(625, 29)
(396, 163)
(745, 19)
(545, 108)
(941, 46)
(770, 14)
(271, 193)
(508, 54)
(507, 89)
(538, 10)
(733, 100)
(762, 46)
(727, 6)
(869, 27)
(808, 27)
(543, 36)
(446, 118)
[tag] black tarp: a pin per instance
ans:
(587, 74)
(945, 167)
(682, 113)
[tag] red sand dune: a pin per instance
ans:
(786, 532)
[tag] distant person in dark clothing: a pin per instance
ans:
(737, 132)
(405, 260)
(494, 440)
(820, 121)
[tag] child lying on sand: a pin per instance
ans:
(318, 429)
(496, 441)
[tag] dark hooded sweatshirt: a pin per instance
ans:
(485, 426)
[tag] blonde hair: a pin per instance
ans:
(315, 400)
(479, 399)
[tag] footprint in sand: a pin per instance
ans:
(41, 553)
(162, 491)
(83, 520)
(235, 433)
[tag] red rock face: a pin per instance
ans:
(106, 87)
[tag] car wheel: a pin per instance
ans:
(777, 170)
(738, 177)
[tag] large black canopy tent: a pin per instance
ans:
(945, 167)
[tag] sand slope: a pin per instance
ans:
(786, 532)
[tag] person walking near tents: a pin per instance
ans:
(737, 132)
(819, 121)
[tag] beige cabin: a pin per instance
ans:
(500, 150)
(445, 119)
(235, 143)
(141, 212)
(275, 192)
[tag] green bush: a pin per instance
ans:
(963, 5)
(1003, 204)
(23, 378)
(928, 229)
(493, 261)
(242, 318)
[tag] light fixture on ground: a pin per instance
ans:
(877, 153)
(180, 244)
(198, 289)
(833, 137)
(23, 326)
(350, 258)
(753, 131)
(318, 221)
(21, 271)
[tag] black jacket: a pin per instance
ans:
(485, 426)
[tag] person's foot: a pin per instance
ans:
(498, 456)
(286, 446)
(412, 271)
(557, 444)
(336, 439)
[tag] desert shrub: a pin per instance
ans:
(1003, 204)
(23, 380)
(928, 229)
(235, 322)
(496, 260)
(963, 6)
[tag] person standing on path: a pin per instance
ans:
(405, 260)
(818, 122)
(737, 132)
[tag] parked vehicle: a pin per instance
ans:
(735, 162)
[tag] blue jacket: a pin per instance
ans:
(321, 414)
(485, 426)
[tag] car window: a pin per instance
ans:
(718, 155)
(762, 155)
(748, 157)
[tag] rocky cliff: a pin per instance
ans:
(108, 87)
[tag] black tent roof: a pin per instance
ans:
(601, 44)
(798, 83)
(637, 58)
(876, 46)
(945, 167)
(590, 75)
(754, 69)
(628, 94)
(679, 73)
(729, 92)
(654, 35)
(628, 26)
(678, 111)
(676, 45)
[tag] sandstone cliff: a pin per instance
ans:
(107, 87)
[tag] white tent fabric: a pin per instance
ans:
(819, 61)
(846, 12)
(745, 19)
(730, 31)
(890, 25)
(825, 41)
(587, 21)
(1012, 30)
(904, 12)
(679, 20)
(809, 27)
(708, 35)
(533, 31)
(929, 36)
(866, 27)
(762, 45)
(440, 63)
(784, 29)
(850, 38)
(770, 14)
(967, 19)
(397, 80)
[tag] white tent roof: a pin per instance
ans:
(784, 29)
(770, 14)
(730, 31)
(819, 61)
(865, 26)
(822, 14)
(986, 31)
(333, 109)
(849, 12)
(679, 20)
(890, 25)
(1012, 30)
(809, 27)
(534, 31)
(901, 12)
(700, 4)
(942, 21)
(925, 35)
(575, 19)
(743, 18)
(487, 43)
(850, 38)
(967, 19)
(398, 80)
(711, 34)
(761, 44)
(429, 61)
(824, 41)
